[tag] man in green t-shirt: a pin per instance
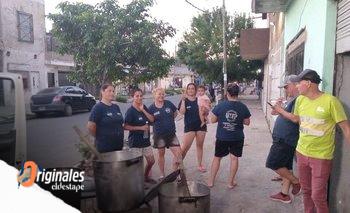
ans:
(317, 114)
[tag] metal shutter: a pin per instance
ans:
(343, 27)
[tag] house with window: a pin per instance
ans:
(302, 35)
(22, 42)
(58, 66)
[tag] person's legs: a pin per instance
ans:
(201, 115)
(287, 174)
(187, 142)
(233, 171)
(161, 161)
(221, 150)
(148, 153)
(285, 186)
(215, 165)
(304, 171)
(320, 174)
(200, 136)
(177, 156)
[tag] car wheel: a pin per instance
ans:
(90, 107)
(68, 110)
(39, 114)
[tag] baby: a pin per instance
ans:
(203, 104)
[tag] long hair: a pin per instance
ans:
(103, 88)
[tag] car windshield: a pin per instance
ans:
(49, 90)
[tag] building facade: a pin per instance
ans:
(316, 35)
(58, 66)
(339, 188)
(26, 48)
(22, 42)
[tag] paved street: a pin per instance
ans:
(51, 143)
(251, 195)
(51, 140)
(254, 184)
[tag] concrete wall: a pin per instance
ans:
(275, 69)
(274, 65)
(319, 19)
(19, 56)
(339, 185)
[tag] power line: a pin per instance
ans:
(194, 6)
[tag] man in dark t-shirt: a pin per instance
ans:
(231, 116)
(285, 136)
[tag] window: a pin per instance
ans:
(25, 27)
(51, 79)
(295, 60)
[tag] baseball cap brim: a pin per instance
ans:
(282, 86)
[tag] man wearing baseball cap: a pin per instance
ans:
(317, 114)
(285, 136)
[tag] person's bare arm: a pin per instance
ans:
(91, 126)
(213, 118)
(148, 115)
(176, 113)
(345, 127)
(182, 109)
(246, 121)
(135, 128)
(288, 115)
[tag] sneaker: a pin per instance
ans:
(296, 189)
(281, 198)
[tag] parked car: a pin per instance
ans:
(65, 99)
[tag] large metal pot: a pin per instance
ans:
(119, 180)
(174, 199)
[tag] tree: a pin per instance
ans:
(202, 48)
(111, 43)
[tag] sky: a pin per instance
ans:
(177, 13)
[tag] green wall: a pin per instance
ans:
(319, 19)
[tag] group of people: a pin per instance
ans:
(107, 124)
(305, 127)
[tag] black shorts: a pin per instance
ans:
(196, 128)
(223, 148)
(162, 141)
(281, 155)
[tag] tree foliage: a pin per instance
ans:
(110, 42)
(202, 47)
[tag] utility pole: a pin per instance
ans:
(224, 67)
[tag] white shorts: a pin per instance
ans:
(146, 151)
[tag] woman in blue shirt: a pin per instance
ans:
(193, 129)
(106, 122)
(231, 116)
(164, 113)
(137, 119)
